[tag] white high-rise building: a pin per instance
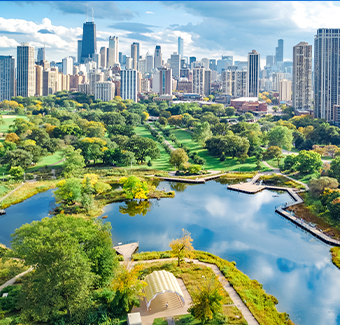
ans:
(25, 70)
(162, 82)
(129, 63)
(205, 63)
(128, 84)
(103, 56)
(149, 62)
(67, 66)
(113, 51)
(234, 82)
(302, 76)
(104, 90)
(7, 77)
(198, 81)
(142, 66)
(175, 64)
(326, 72)
(135, 54)
(158, 57)
(253, 74)
(285, 91)
(94, 77)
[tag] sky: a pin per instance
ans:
(210, 29)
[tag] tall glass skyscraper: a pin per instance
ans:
(279, 51)
(253, 74)
(180, 46)
(25, 70)
(326, 72)
(89, 43)
(7, 77)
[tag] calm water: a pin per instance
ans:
(291, 264)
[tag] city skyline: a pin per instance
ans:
(58, 26)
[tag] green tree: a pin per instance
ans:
(178, 157)
(280, 136)
(274, 152)
(202, 133)
(17, 172)
(142, 148)
(234, 145)
(335, 168)
(17, 157)
(69, 256)
(69, 191)
(290, 162)
(308, 162)
(207, 300)
(73, 161)
(134, 188)
(230, 111)
(181, 247)
(317, 186)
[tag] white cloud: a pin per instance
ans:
(150, 13)
(7, 42)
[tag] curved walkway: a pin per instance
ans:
(238, 302)
(12, 281)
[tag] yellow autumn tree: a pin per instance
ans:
(181, 247)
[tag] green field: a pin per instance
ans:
(46, 161)
(9, 121)
(214, 163)
(161, 163)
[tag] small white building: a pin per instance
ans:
(104, 91)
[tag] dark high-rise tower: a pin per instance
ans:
(279, 51)
(89, 43)
(253, 74)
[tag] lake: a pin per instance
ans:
(291, 264)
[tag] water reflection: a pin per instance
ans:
(133, 208)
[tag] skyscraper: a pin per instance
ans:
(113, 52)
(302, 76)
(175, 64)
(25, 70)
(67, 66)
(89, 43)
(180, 46)
(103, 56)
(79, 47)
(149, 62)
(162, 82)
(269, 60)
(41, 54)
(253, 74)
(134, 55)
(7, 77)
(326, 72)
(158, 57)
(128, 84)
(279, 52)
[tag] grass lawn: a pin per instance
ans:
(305, 178)
(161, 163)
(160, 321)
(273, 163)
(9, 121)
(45, 161)
(214, 163)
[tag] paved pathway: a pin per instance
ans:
(226, 285)
(7, 195)
(12, 281)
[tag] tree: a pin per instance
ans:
(230, 111)
(162, 120)
(69, 191)
(17, 157)
(142, 148)
(73, 161)
(335, 168)
(317, 186)
(181, 247)
(207, 300)
(69, 256)
(234, 145)
(274, 152)
(134, 188)
(175, 120)
(17, 172)
(12, 137)
(178, 157)
(290, 162)
(202, 133)
(280, 136)
(308, 162)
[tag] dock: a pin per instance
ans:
(126, 250)
(252, 188)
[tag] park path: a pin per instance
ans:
(165, 141)
(238, 302)
(12, 281)
(7, 195)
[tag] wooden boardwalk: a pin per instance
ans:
(126, 250)
(252, 188)
(191, 180)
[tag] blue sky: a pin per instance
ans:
(210, 28)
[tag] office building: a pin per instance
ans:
(67, 65)
(95, 76)
(253, 74)
(79, 48)
(302, 76)
(158, 57)
(212, 64)
(285, 90)
(25, 70)
(141, 66)
(145, 86)
(162, 82)
(205, 63)
(149, 62)
(128, 84)
(104, 90)
(89, 42)
(128, 63)
(326, 72)
(234, 82)
(269, 60)
(207, 82)
(134, 55)
(38, 80)
(7, 77)
(228, 58)
(198, 75)
(192, 59)
(113, 51)
(175, 64)
(41, 54)
(103, 56)
(279, 52)
(180, 46)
